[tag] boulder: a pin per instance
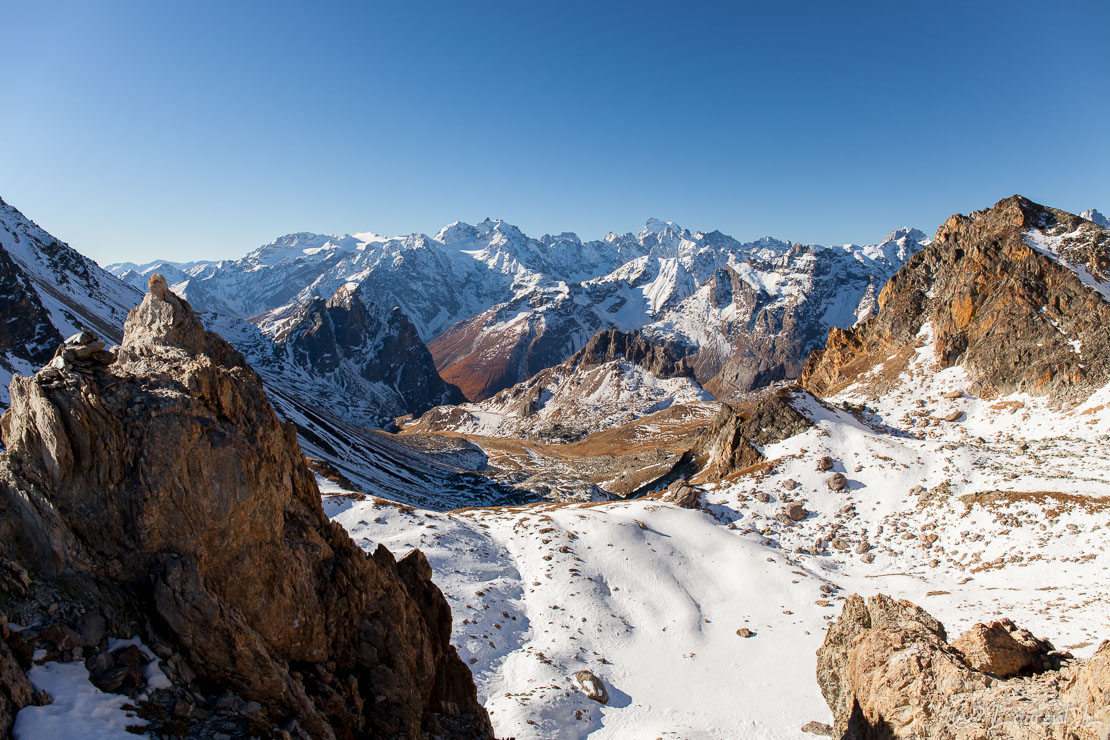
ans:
(592, 686)
(795, 511)
(837, 482)
(886, 670)
(684, 496)
(1004, 649)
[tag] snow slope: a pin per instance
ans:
(1000, 512)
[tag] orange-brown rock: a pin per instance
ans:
(162, 484)
(1015, 317)
(887, 671)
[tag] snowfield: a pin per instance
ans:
(998, 512)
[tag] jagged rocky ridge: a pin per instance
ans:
(1018, 295)
(154, 487)
(352, 338)
(887, 670)
(496, 306)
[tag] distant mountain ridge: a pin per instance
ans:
(496, 306)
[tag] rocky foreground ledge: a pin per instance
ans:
(152, 492)
(887, 670)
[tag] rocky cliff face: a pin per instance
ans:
(1018, 295)
(887, 670)
(156, 487)
(352, 337)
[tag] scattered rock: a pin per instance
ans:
(795, 512)
(825, 463)
(790, 484)
(837, 482)
(592, 686)
(818, 728)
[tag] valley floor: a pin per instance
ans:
(973, 509)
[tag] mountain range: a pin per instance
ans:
(496, 306)
(691, 491)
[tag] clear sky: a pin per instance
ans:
(186, 130)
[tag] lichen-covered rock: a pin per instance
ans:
(887, 671)
(163, 485)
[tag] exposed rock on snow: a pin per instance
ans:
(162, 484)
(887, 671)
(592, 686)
(735, 440)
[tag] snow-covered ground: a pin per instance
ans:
(78, 708)
(974, 509)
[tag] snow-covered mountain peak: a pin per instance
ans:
(456, 231)
(565, 237)
(661, 230)
(895, 248)
(1094, 216)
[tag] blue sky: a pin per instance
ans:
(136, 130)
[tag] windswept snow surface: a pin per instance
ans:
(1000, 512)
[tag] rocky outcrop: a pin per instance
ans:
(15, 689)
(736, 438)
(157, 486)
(1019, 295)
(662, 359)
(887, 671)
